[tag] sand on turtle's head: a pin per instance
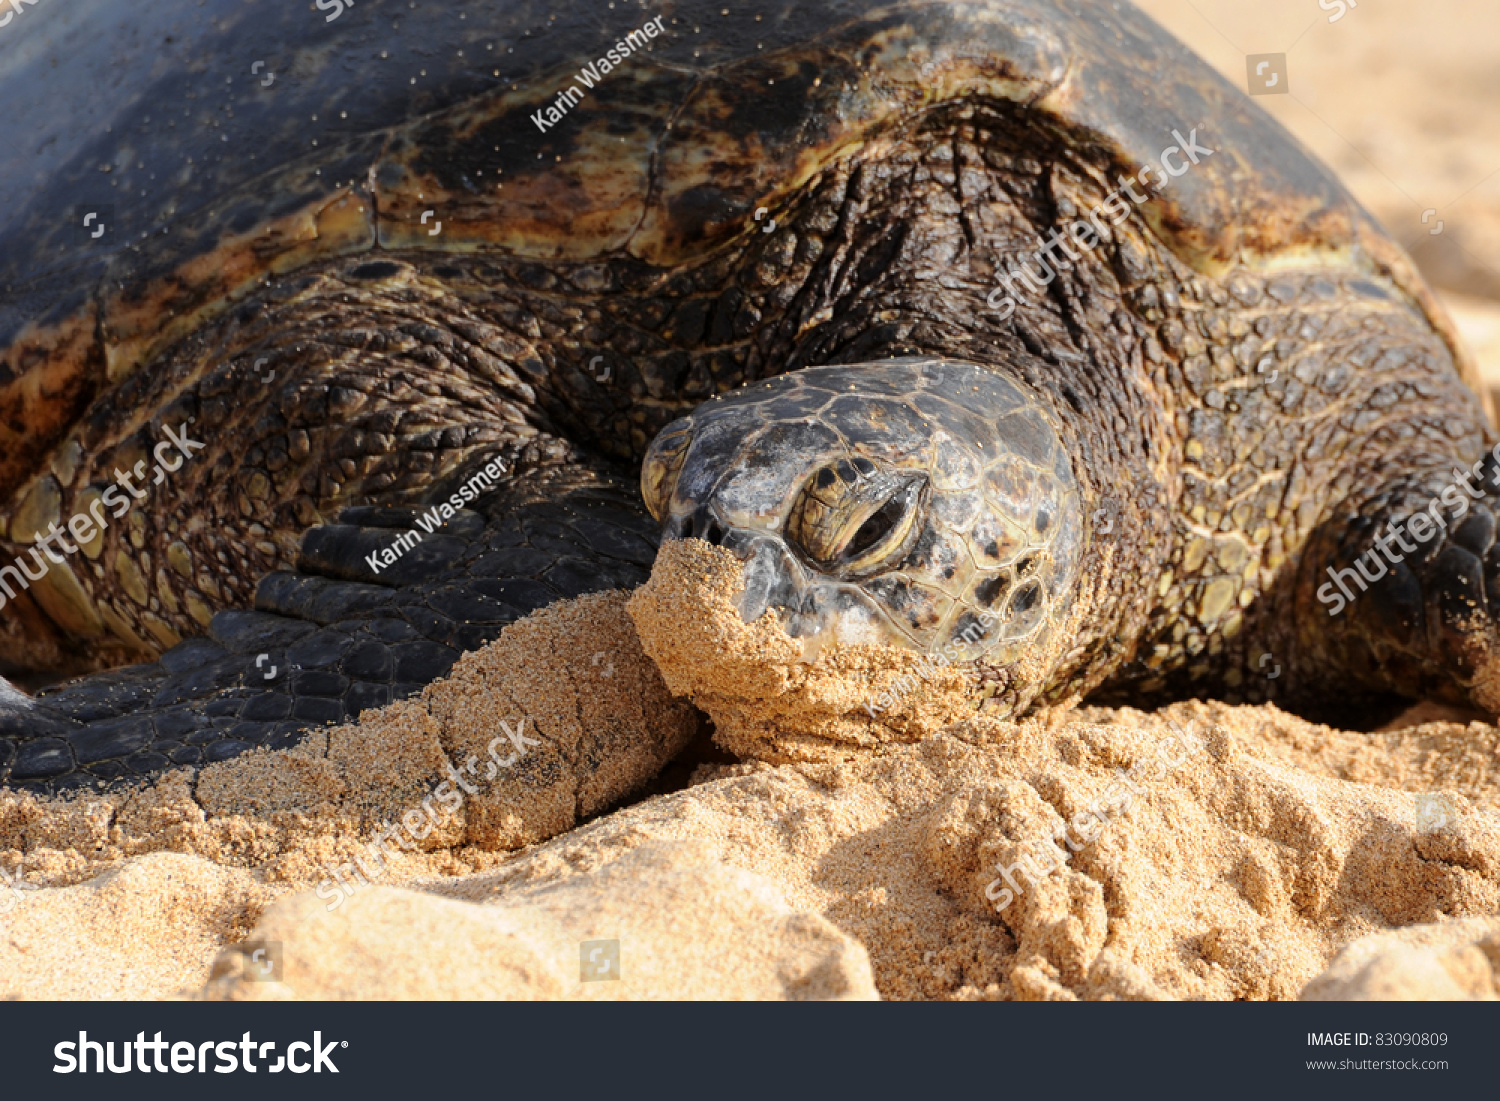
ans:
(770, 698)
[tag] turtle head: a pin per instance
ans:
(917, 502)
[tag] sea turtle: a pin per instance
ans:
(335, 336)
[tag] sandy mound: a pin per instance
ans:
(553, 722)
(142, 930)
(663, 921)
(1201, 860)
(1457, 960)
(1204, 851)
(1149, 856)
(525, 738)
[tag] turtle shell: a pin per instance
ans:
(220, 142)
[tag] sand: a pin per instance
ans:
(587, 938)
(767, 700)
(552, 723)
(1204, 851)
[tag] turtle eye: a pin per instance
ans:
(854, 519)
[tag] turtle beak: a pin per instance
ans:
(773, 580)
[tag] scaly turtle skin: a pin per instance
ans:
(423, 247)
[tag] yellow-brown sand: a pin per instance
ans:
(286, 820)
(1243, 854)
(1204, 852)
(697, 924)
(1227, 876)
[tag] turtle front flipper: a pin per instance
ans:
(342, 633)
(1400, 589)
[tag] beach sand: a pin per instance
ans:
(1204, 851)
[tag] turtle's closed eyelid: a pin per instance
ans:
(862, 530)
(886, 528)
